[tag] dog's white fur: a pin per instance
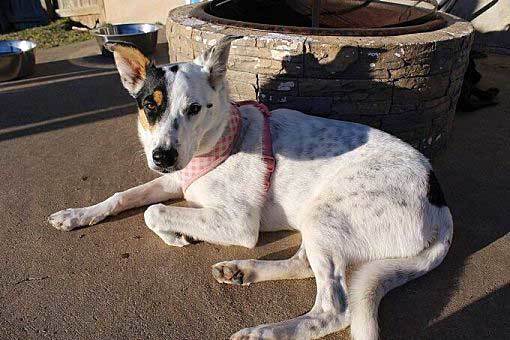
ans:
(356, 195)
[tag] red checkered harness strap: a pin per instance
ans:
(200, 165)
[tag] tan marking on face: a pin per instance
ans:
(142, 118)
(158, 97)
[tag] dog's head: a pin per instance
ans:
(183, 108)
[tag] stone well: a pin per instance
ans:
(406, 84)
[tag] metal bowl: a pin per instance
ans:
(143, 36)
(17, 59)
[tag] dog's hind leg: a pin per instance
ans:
(245, 272)
(330, 312)
(161, 189)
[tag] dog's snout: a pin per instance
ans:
(164, 158)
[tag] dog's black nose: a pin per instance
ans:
(164, 158)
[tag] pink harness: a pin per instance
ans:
(200, 165)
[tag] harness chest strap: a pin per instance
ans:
(267, 141)
(201, 165)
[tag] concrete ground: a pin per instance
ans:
(68, 138)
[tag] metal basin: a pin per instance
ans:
(143, 36)
(17, 59)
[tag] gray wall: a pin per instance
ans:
(492, 26)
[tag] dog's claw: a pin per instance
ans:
(227, 272)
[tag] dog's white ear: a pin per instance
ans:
(131, 63)
(215, 59)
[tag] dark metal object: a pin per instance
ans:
(364, 18)
(17, 59)
(143, 36)
(472, 97)
(482, 10)
(316, 11)
(24, 13)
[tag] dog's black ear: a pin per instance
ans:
(131, 63)
(215, 59)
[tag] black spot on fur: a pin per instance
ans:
(188, 238)
(176, 123)
(174, 68)
(155, 80)
(434, 193)
(238, 278)
(379, 212)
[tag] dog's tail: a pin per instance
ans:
(374, 279)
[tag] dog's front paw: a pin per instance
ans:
(154, 220)
(232, 273)
(70, 219)
(152, 216)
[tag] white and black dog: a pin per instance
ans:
(356, 194)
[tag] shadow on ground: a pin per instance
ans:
(65, 93)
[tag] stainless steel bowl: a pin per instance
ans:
(17, 59)
(143, 36)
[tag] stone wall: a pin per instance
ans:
(407, 85)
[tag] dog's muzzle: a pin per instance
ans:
(164, 158)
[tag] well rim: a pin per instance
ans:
(436, 22)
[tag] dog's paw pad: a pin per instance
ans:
(228, 272)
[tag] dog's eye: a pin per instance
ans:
(193, 109)
(150, 106)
